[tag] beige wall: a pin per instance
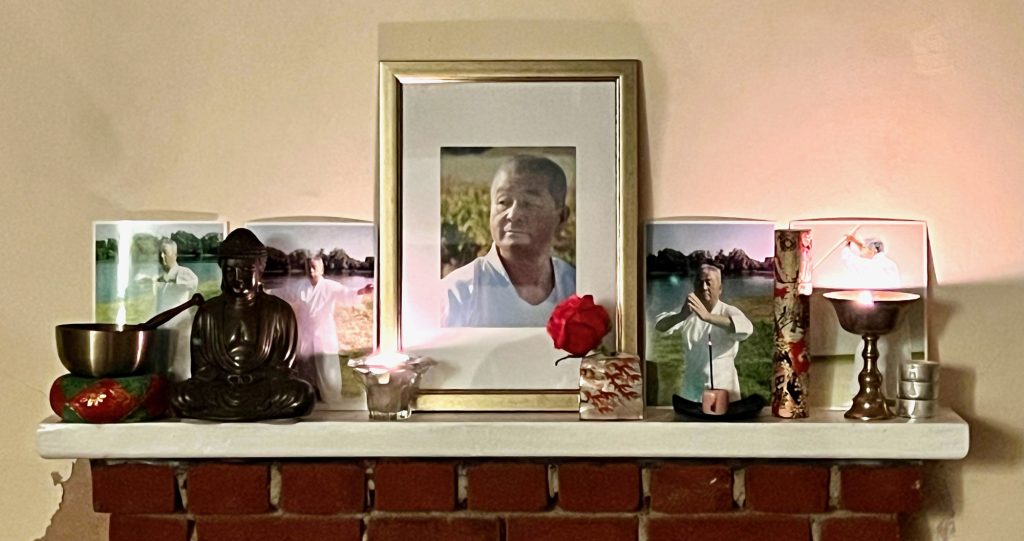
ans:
(774, 110)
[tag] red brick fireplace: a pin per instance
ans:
(508, 499)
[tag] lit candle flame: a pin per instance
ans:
(389, 362)
(865, 298)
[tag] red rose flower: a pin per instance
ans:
(577, 325)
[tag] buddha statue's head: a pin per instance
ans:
(242, 258)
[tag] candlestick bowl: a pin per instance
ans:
(870, 314)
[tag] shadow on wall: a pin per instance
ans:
(969, 328)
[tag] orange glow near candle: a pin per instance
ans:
(865, 298)
(389, 362)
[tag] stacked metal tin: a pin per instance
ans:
(919, 389)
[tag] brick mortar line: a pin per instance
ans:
(739, 487)
(465, 513)
(461, 484)
(470, 461)
(835, 488)
(274, 484)
(279, 513)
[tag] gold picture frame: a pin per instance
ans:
(399, 81)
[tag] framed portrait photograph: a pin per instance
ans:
(325, 270)
(474, 239)
(505, 187)
(851, 254)
(708, 308)
(143, 268)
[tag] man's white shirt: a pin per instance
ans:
(314, 307)
(878, 272)
(481, 294)
(173, 288)
(182, 276)
(694, 333)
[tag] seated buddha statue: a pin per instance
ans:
(243, 345)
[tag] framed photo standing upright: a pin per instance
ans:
(505, 187)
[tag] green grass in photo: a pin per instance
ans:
(141, 306)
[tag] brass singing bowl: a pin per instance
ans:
(97, 350)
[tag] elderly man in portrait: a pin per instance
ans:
(703, 320)
(518, 282)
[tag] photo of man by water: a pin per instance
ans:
(708, 302)
(146, 267)
(508, 248)
(324, 270)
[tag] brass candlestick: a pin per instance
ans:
(870, 314)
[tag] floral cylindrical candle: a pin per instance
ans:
(791, 304)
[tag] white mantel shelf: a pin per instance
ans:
(824, 435)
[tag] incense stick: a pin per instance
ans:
(711, 362)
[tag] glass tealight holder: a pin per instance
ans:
(391, 382)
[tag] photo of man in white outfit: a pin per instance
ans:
(869, 264)
(518, 282)
(174, 286)
(703, 319)
(314, 302)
